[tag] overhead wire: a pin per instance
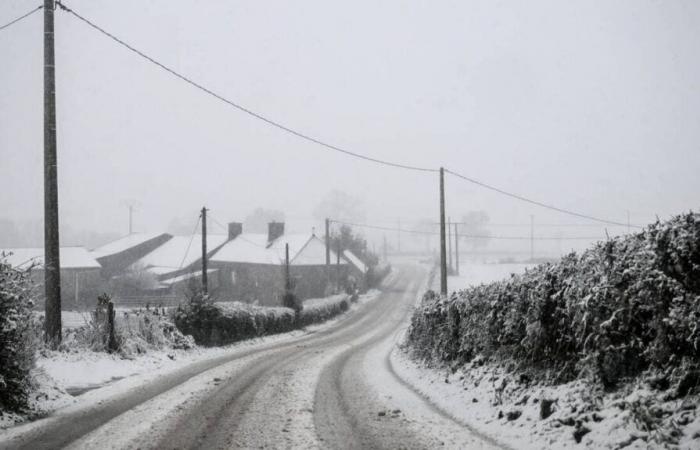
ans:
(318, 141)
(238, 106)
(468, 236)
(535, 202)
(194, 232)
(2, 27)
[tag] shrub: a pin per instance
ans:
(213, 324)
(19, 333)
(619, 308)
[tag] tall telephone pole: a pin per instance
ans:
(328, 250)
(205, 284)
(532, 237)
(449, 244)
(443, 250)
(398, 235)
(52, 265)
(456, 249)
(328, 242)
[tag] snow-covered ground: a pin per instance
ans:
(492, 401)
(92, 377)
(475, 273)
(511, 411)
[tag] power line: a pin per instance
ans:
(316, 140)
(535, 202)
(240, 107)
(21, 17)
(194, 231)
(485, 236)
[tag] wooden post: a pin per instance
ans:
(532, 237)
(287, 281)
(456, 249)
(449, 243)
(328, 251)
(205, 283)
(52, 265)
(112, 344)
(443, 250)
(338, 267)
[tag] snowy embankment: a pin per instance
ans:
(600, 350)
(77, 376)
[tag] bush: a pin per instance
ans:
(213, 324)
(626, 305)
(19, 333)
(136, 332)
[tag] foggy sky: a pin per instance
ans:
(593, 106)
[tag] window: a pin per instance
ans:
(233, 277)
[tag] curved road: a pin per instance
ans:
(330, 389)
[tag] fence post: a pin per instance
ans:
(112, 345)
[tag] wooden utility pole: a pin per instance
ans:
(205, 284)
(398, 235)
(532, 237)
(338, 266)
(328, 243)
(52, 265)
(449, 244)
(287, 279)
(443, 250)
(328, 251)
(456, 249)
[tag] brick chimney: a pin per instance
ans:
(274, 230)
(234, 229)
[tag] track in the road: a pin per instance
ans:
(307, 392)
(215, 421)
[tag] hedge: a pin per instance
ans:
(214, 324)
(19, 334)
(621, 307)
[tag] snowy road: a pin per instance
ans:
(330, 389)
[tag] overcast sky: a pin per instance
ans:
(592, 105)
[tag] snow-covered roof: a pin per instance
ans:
(355, 261)
(187, 276)
(125, 243)
(251, 248)
(178, 252)
(70, 258)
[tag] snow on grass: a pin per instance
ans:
(511, 410)
(95, 377)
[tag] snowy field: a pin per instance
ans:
(475, 273)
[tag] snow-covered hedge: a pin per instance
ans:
(19, 333)
(223, 323)
(623, 306)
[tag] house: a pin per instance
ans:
(116, 256)
(80, 274)
(357, 269)
(251, 266)
(178, 256)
